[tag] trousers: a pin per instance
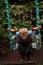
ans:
(25, 51)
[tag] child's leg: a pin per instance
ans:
(28, 52)
(28, 55)
(22, 52)
(22, 55)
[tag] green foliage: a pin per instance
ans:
(19, 16)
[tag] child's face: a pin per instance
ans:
(23, 33)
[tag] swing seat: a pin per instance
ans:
(36, 41)
(15, 45)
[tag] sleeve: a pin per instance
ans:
(17, 33)
(17, 37)
(30, 32)
(33, 29)
(14, 31)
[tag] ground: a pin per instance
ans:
(13, 57)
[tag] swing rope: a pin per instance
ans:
(9, 25)
(38, 23)
(12, 45)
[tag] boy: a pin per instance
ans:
(24, 41)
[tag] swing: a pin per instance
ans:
(38, 38)
(12, 45)
(38, 41)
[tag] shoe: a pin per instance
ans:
(29, 61)
(22, 60)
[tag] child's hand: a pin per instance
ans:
(8, 29)
(39, 27)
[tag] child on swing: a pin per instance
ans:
(24, 41)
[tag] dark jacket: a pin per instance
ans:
(26, 42)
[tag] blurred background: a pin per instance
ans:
(22, 14)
